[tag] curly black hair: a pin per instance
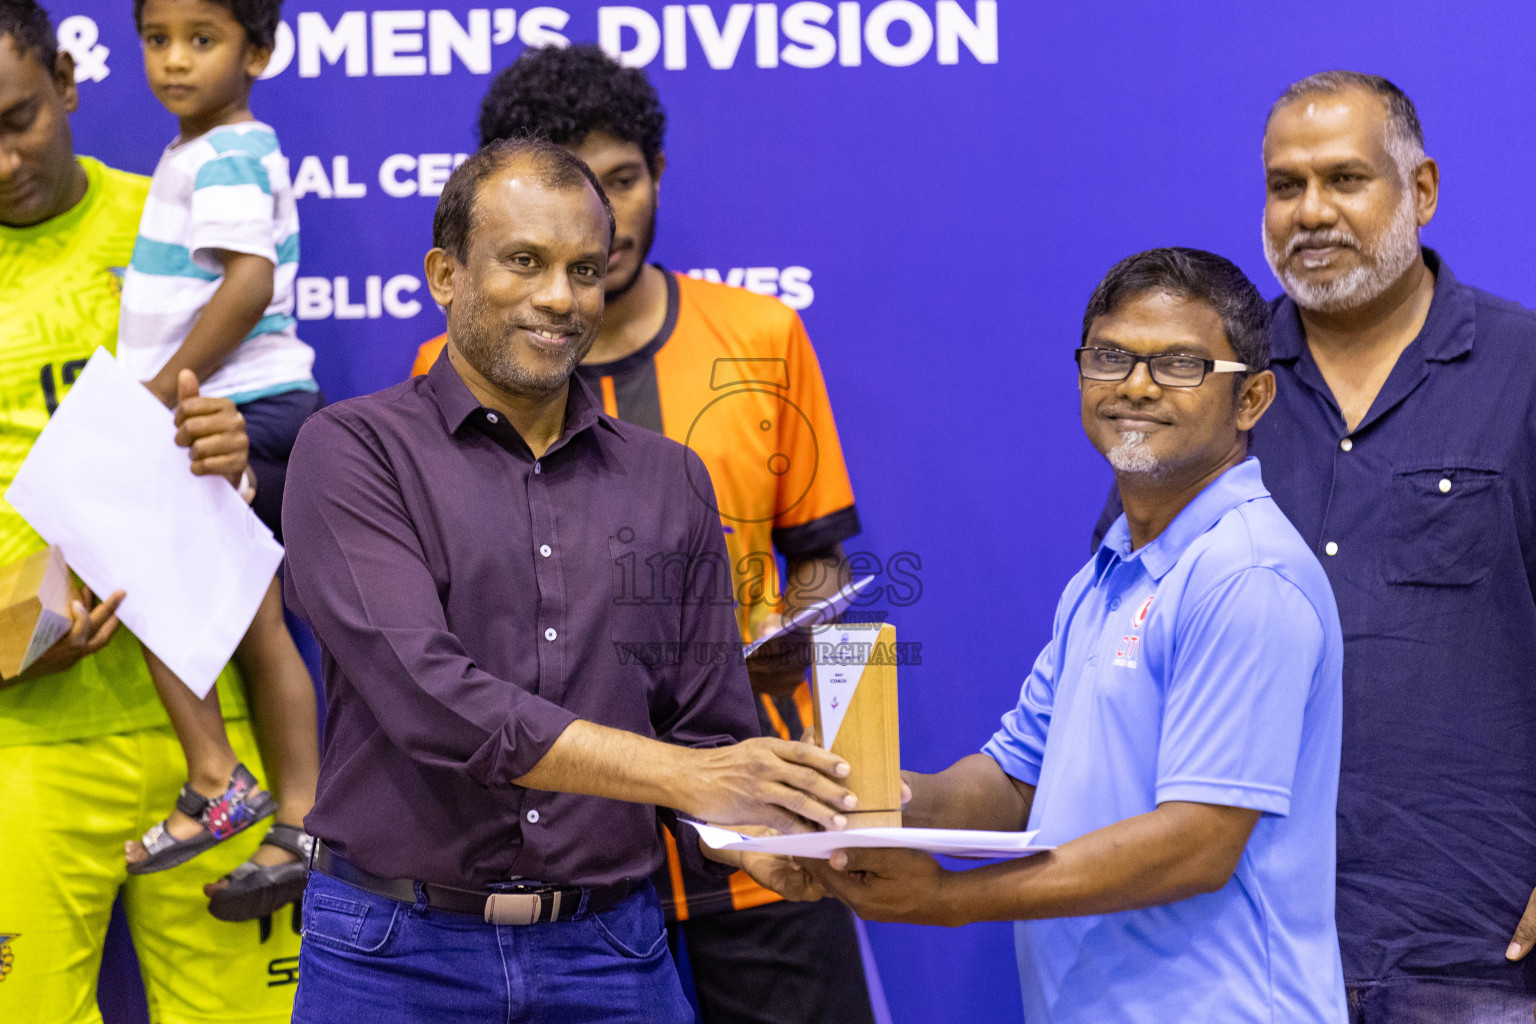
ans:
(562, 93)
(259, 18)
(30, 30)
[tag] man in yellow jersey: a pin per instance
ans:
(732, 375)
(88, 756)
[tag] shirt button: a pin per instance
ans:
(550, 634)
(533, 817)
(546, 550)
(1114, 605)
(1445, 484)
(538, 467)
(1330, 549)
(1346, 444)
(492, 417)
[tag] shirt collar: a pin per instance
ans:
(1242, 483)
(456, 403)
(1447, 331)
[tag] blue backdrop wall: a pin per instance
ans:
(938, 185)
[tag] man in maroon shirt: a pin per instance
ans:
(485, 802)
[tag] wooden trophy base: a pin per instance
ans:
(34, 608)
(855, 705)
(873, 819)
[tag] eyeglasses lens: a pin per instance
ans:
(1168, 370)
(1178, 371)
(1105, 364)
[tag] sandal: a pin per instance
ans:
(239, 807)
(256, 890)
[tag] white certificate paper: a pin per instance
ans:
(107, 483)
(951, 842)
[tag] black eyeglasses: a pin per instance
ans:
(1170, 369)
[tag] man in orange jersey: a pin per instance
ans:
(732, 375)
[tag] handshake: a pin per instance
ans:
(768, 787)
(797, 787)
(762, 786)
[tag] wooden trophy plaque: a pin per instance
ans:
(34, 608)
(853, 685)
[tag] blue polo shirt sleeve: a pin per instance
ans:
(1019, 744)
(1245, 660)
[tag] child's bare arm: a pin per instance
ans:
(234, 310)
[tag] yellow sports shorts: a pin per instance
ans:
(65, 811)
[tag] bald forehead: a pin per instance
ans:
(1355, 97)
(522, 200)
(542, 169)
(1349, 109)
(526, 175)
(1330, 128)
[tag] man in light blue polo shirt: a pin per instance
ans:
(1178, 739)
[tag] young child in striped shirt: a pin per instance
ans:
(209, 294)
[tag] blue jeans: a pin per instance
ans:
(1436, 1002)
(367, 959)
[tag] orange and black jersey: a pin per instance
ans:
(732, 375)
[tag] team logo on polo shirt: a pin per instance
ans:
(1125, 654)
(1130, 644)
(1141, 614)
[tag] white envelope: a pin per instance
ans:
(107, 483)
(951, 842)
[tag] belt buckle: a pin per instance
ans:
(521, 901)
(518, 908)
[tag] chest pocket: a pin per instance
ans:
(1444, 526)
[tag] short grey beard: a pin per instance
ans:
(1382, 265)
(1133, 455)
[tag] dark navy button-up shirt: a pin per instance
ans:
(472, 601)
(1423, 519)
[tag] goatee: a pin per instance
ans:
(1133, 455)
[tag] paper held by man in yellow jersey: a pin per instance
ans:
(106, 482)
(34, 608)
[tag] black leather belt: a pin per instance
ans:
(508, 903)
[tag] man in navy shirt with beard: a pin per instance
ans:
(1402, 446)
